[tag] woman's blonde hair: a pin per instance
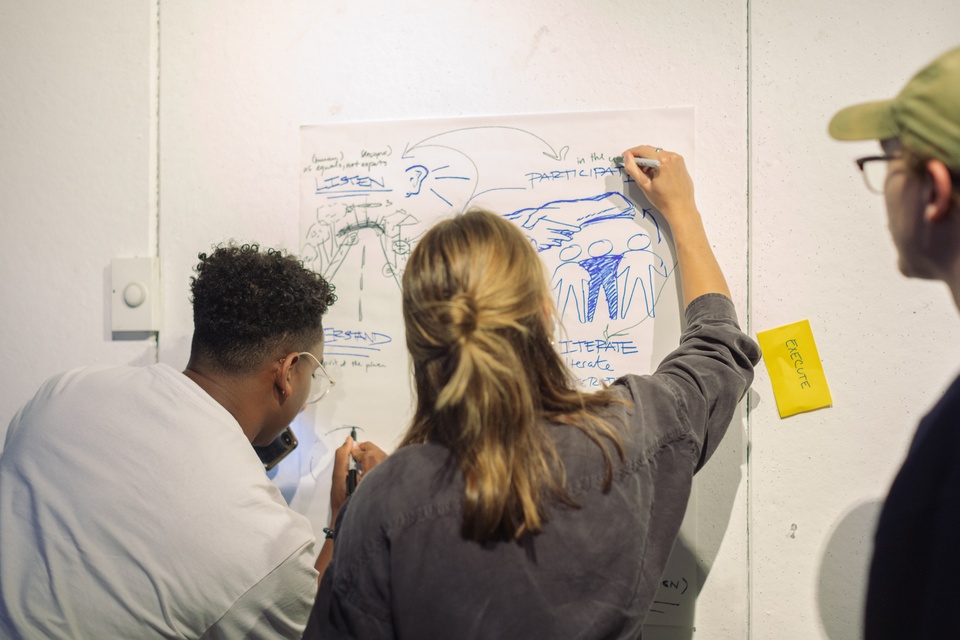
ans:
(478, 317)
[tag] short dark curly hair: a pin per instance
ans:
(249, 305)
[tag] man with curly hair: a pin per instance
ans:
(132, 503)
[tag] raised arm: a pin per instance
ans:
(670, 189)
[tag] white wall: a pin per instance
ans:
(76, 182)
(820, 250)
(79, 185)
(238, 79)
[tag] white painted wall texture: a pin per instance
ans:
(820, 250)
(84, 177)
(237, 81)
(75, 182)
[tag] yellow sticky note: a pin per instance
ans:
(796, 372)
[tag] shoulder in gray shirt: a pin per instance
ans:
(401, 569)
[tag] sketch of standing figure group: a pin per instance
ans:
(624, 278)
(583, 238)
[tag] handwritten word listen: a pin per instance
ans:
(349, 182)
(793, 349)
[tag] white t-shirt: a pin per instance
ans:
(133, 506)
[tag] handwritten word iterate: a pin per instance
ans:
(793, 349)
(573, 350)
(599, 362)
(565, 175)
(626, 347)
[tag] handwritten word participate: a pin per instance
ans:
(594, 173)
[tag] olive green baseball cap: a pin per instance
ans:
(925, 115)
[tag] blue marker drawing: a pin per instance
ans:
(416, 174)
(368, 193)
(469, 148)
(353, 343)
(602, 268)
(350, 185)
(624, 271)
(641, 267)
(570, 282)
(553, 223)
(602, 251)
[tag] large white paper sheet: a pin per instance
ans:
(368, 191)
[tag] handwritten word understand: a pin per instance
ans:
(353, 343)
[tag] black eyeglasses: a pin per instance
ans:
(874, 170)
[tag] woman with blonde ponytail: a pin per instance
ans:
(479, 318)
(516, 506)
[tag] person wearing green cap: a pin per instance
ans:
(913, 589)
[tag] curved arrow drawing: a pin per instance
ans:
(460, 140)
(553, 153)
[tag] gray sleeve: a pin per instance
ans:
(710, 371)
(354, 596)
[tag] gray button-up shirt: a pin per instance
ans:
(401, 569)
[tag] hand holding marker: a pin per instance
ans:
(353, 466)
(641, 162)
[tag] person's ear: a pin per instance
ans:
(283, 375)
(941, 191)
